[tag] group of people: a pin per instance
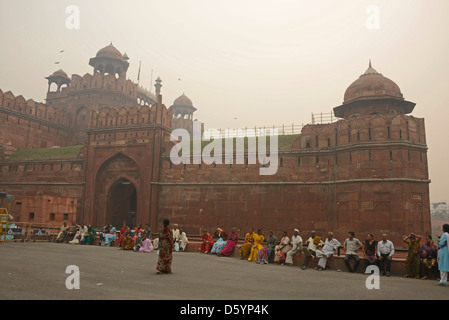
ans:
(138, 239)
(423, 260)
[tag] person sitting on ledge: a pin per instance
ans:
(221, 242)
(258, 244)
(128, 242)
(207, 243)
(109, 237)
(284, 247)
(351, 246)
(327, 251)
(106, 230)
(245, 248)
(370, 251)
(182, 240)
(266, 254)
(296, 244)
(79, 236)
(90, 237)
(312, 244)
(71, 232)
(385, 252)
(122, 235)
(428, 254)
(233, 238)
(62, 232)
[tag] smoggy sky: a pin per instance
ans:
(245, 62)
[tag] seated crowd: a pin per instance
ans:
(139, 239)
(423, 260)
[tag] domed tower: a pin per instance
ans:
(110, 61)
(372, 93)
(183, 110)
(60, 78)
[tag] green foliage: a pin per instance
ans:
(46, 153)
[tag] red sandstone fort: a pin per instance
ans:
(98, 150)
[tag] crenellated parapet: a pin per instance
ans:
(133, 116)
(30, 110)
(378, 128)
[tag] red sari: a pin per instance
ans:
(207, 244)
(165, 251)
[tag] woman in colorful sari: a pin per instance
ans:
(220, 243)
(207, 243)
(109, 237)
(128, 242)
(412, 263)
(165, 249)
(258, 244)
(90, 237)
(245, 248)
(122, 235)
(138, 232)
(233, 238)
(428, 254)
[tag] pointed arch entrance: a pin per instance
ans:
(121, 205)
(117, 192)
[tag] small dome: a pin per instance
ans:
(183, 101)
(372, 85)
(109, 52)
(60, 73)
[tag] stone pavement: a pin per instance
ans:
(37, 271)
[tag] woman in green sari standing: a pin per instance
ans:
(412, 262)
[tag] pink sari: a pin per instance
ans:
(229, 247)
(146, 246)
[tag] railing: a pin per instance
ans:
(323, 118)
(260, 131)
(256, 131)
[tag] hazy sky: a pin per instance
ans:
(263, 62)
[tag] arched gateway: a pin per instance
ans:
(117, 193)
(121, 205)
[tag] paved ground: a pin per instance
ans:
(37, 271)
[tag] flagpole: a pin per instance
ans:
(138, 76)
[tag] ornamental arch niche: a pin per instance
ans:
(117, 192)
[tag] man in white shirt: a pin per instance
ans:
(182, 240)
(385, 251)
(352, 245)
(327, 251)
(175, 231)
(312, 244)
(79, 236)
(296, 247)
